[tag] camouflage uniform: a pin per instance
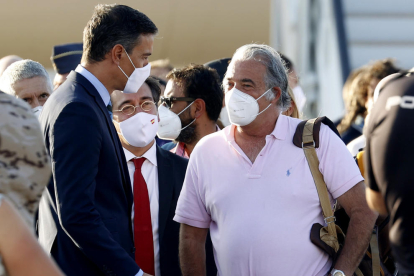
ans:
(24, 163)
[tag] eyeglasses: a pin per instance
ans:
(169, 100)
(130, 109)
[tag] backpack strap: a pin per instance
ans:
(308, 145)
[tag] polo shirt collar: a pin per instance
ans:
(279, 132)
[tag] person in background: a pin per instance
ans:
(300, 97)
(388, 162)
(374, 73)
(190, 107)
(86, 225)
(220, 65)
(24, 172)
(162, 84)
(160, 68)
(292, 110)
(235, 175)
(363, 81)
(7, 61)
(27, 80)
(156, 176)
(64, 59)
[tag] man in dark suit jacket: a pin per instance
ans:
(162, 175)
(85, 213)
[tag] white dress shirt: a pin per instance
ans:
(149, 171)
(106, 98)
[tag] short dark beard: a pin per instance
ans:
(189, 134)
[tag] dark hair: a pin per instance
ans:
(200, 82)
(161, 81)
(287, 63)
(358, 94)
(220, 65)
(111, 25)
(155, 89)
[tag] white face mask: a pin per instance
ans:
(37, 110)
(170, 124)
(300, 98)
(137, 77)
(242, 108)
(140, 129)
(224, 117)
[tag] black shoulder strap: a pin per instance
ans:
(297, 138)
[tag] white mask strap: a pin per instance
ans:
(185, 108)
(123, 72)
(264, 110)
(263, 95)
(188, 124)
(130, 61)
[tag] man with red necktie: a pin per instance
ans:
(156, 176)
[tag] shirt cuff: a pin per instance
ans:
(191, 222)
(140, 273)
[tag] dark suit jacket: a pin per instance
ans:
(85, 213)
(171, 173)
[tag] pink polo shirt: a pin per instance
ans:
(260, 215)
(179, 149)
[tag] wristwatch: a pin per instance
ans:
(336, 272)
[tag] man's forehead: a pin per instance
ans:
(173, 89)
(118, 97)
(32, 85)
(246, 69)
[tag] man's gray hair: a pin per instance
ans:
(20, 70)
(276, 73)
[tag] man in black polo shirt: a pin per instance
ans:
(389, 163)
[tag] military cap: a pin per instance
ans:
(220, 65)
(66, 57)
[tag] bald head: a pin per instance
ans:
(7, 61)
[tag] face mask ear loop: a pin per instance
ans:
(267, 106)
(130, 59)
(188, 125)
(263, 95)
(185, 109)
(123, 72)
(264, 110)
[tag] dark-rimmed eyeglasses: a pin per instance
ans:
(169, 100)
(130, 109)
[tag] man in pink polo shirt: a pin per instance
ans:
(253, 188)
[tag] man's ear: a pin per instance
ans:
(200, 108)
(277, 92)
(116, 53)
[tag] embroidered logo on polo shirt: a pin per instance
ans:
(152, 121)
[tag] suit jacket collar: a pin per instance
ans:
(103, 92)
(91, 90)
(166, 187)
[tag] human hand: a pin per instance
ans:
(145, 274)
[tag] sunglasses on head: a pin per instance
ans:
(169, 100)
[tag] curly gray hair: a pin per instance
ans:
(20, 70)
(276, 73)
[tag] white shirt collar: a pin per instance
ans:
(150, 155)
(95, 82)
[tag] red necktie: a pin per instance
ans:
(144, 243)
